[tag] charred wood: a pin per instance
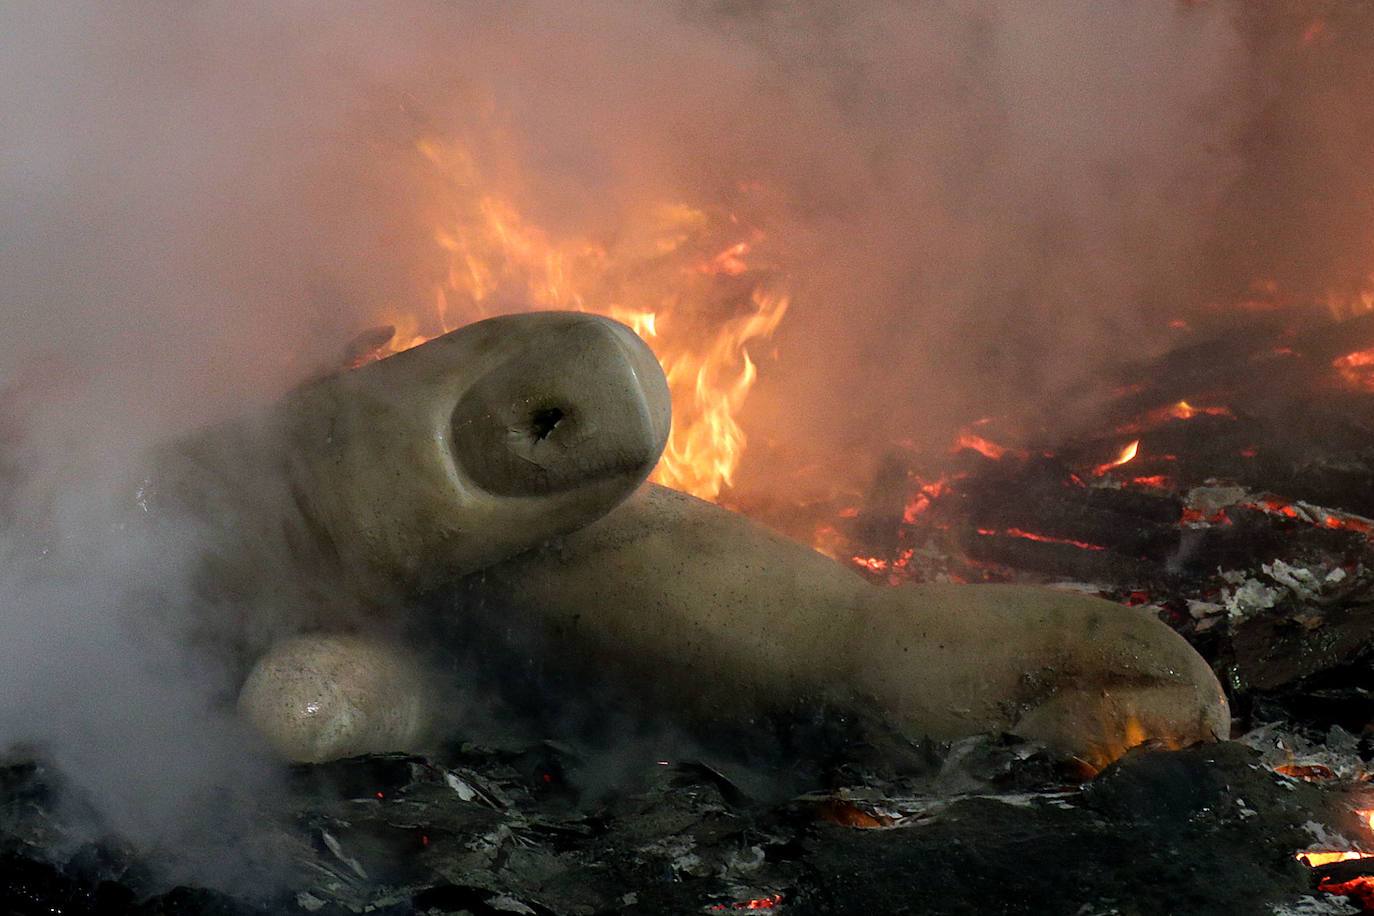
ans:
(1272, 651)
(1262, 362)
(1064, 560)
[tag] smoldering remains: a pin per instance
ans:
(199, 206)
(713, 605)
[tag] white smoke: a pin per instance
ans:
(200, 203)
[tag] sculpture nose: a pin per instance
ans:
(583, 400)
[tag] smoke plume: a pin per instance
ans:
(973, 204)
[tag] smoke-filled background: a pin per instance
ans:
(973, 207)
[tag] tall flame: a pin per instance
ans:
(685, 278)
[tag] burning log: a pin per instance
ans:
(1264, 363)
(712, 615)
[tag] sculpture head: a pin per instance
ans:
(412, 471)
(478, 444)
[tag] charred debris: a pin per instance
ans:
(1243, 515)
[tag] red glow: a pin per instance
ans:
(758, 903)
(1193, 516)
(729, 262)
(1180, 411)
(1313, 858)
(1044, 538)
(1312, 772)
(922, 499)
(1156, 481)
(1356, 369)
(1349, 523)
(969, 439)
(1127, 453)
(1277, 505)
(1361, 888)
(1315, 30)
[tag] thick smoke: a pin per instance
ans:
(975, 204)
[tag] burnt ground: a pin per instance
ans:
(1245, 521)
(990, 827)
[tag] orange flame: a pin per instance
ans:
(971, 440)
(1127, 453)
(758, 903)
(1356, 369)
(706, 443)
(1361, 887)
(685, 279)
(1313, 858)
(1117, 738)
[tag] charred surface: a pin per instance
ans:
(983, 829)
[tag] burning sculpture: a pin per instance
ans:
(408, 474)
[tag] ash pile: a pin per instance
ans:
(988, 826)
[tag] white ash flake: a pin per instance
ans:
(1338, 751)
(1315, 906)
(472, 788)
(1201, 609)
(1252, 596)
(1276, 581)
(1323, 840)
(1207, 501)
(680, 851)
(1302, 581)
(465, 791)
(743, 861)
(337, 849)
(309, 902)
(913, 811)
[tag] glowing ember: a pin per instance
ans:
(1179, 411)
(1314, 772)
(1127, 453)
(1043, 538)
(1200, 517)
(1313, 858)
(1356, 369)
(1361, 888)
(758, 903)
(1132, 734)
(1313, 515)
(844, 812)
(921, 500)
(685, 279)
(968, 439)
